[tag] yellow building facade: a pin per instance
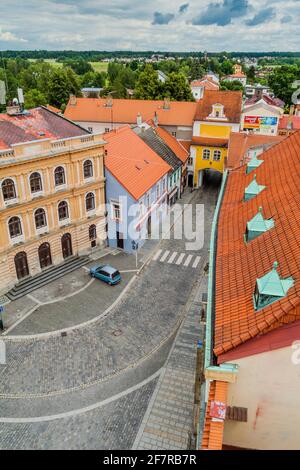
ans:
(52, 204)
(218, 115)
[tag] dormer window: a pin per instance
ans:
(270, 288)
(253, 164)
(257, 226)
(217, 112)
(253, 189)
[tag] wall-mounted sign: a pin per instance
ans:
(257, 122)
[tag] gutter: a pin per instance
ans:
(210, 313)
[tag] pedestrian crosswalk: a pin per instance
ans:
(179, 259)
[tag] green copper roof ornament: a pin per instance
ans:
(258, 225)
(253, 164)
(271, 287)
(253, 189)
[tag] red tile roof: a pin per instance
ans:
(237, 75)
(241, 142)
(267, 99)
(239, 264)
(174, 144)
(231, 100)
(37, 124)
(212, 438)
(53, 109)
(132, 162)
(207, 82)
(186, 144)
(286, 119)
(126, 111)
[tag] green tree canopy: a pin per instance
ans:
(281, 82)
(148, 87)
(177, 88)
(232, 86)
(34, 98)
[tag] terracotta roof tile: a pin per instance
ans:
(126, 111)
(231, 100)
(239, 264)
(212, 438)
(240, 143)
(286, 120)
(36, 124)
(177, 147)
(132, 162)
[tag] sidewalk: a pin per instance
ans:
(168, 422)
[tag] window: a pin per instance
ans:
(15, 227)
(206, 154)
(8, 190)
(36, 183)
(88, 169)
(90, 129)
(190, 161)
(217, 155)
(148, 200)
(157, 191)
(116, 211)
(63, 210)
(90, 201)
(174, 134)
(163, 185)
(59, 175)
(40, 218)
(107, 129)
(93, 232)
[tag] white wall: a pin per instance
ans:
(268, 384)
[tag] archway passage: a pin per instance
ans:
(45, 255)
(66, 244)
(21, 265)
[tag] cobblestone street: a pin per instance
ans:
(116, 375)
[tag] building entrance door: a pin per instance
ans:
(45, 255)
(21, 265)
(66, 244)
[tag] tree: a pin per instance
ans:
(227, 67)
(93, 79)
(251, 74)
(281, 82)
(79, 66)
(34, 98)
(148, 87)
(62, 84)
(177, 88)
(232, 86)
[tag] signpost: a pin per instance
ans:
(135, 247)
(1, 319)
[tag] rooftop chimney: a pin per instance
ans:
(73, 100)
(155, 120)
(139, 119)
(109, 101)
(167, 103)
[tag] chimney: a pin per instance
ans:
(109, 102)
(167, 103)
(259, 93)
(290, 118)
(155, 120)
(139, 119)
(13, 109)
(73, 100)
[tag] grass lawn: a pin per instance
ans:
(50, 61)
(99, 66)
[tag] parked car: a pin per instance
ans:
(106, 273)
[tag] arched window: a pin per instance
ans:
(63, 210)
(88, 169)
(206, 154)
(15, 227)
(8, 190)
(90, 201)
(217, 155)
(59, 175)
(36, 183)
(40, 218)
(93, 232)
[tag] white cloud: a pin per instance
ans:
(127, 24)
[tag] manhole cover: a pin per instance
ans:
(117, 333)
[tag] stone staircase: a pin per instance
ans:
(30, 284)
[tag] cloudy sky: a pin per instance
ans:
(184, 25)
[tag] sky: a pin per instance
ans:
(140, 25)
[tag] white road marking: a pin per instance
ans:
(173, 256)
(157, 255)
(196, 262)
(179, 261)
(34, 299)
(164, 256)
(86, 268)
(188, 260)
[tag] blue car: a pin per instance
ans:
(106, 273)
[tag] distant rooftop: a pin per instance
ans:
(36, 124)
